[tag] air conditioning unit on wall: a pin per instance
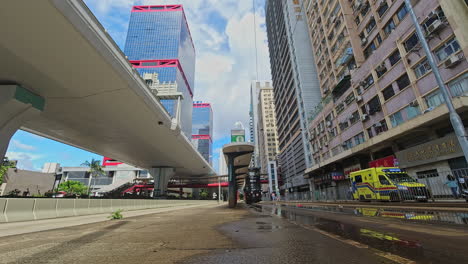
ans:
(453, 61)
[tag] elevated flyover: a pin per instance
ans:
(63, 77)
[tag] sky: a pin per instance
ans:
(224, 38)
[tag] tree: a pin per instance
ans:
(95, 170)
(73, 187)
(4, 166)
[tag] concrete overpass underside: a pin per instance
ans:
(94, 99)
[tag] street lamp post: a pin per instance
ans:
(455, 119)
(219, 188)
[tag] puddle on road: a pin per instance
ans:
(459, 218)
(387, 242)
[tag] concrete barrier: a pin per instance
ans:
(2, 210)
(81, 206)
(94, 206)
(26, 209)
(65, 207)
(17, 209)
(45, 208)
(106, 206)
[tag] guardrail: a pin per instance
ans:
(27, 209)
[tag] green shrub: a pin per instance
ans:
(203, 195)
(73, 188)
(116, 214)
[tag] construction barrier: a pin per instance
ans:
(27, 209)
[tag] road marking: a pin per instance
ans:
(387, 255)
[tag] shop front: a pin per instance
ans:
(432, 163)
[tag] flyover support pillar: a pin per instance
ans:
(232, 189)
(161, 176)
(17, 106)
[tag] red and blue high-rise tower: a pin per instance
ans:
(202, 129)
(159, 42)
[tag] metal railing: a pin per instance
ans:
(444, 185)
(432, 185)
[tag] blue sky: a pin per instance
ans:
(223, 35)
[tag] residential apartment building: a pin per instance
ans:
(296, 90)
(380, 101)
(266, 134)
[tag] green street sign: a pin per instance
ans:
(237, 138)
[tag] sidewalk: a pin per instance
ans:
(17, 228)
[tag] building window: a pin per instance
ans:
(401, 13)
(381, 127)
(357, 20)
(389, 27)
(396, 119)
(359, 139)
(349, 99)
(403, 81)
(354, 117)
(447, 49)
(388, 92)
(365, 9)
(348, 144)
(333, 132)
(427, 174)
(459, 87)
(370, 133)
(371, 25)
(369, 81)
(422, 68)
(412, 112)
(343, 125)
(381, 70)
(411, 42)
(369, 50)
(339, 108)
(374, 105)
(434, 99)
(383, 7)
(394, 57)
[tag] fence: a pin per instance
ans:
(444, 185)
(439, 185)
(26, 209)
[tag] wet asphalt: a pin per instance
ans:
(257, 234)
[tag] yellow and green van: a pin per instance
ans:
(387, 184)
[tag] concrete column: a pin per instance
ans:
(161, 176)
(232, 191)
(17, 105)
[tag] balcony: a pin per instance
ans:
(346, 57)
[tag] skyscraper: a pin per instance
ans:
(266, 135)
(254, 87)
(266, 127)
(159, 45)
(202, 129)
(296, 88)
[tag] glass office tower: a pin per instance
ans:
(159, 42)
(202, 129)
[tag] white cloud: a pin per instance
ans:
(25, 159)
(18, 144)
(223, 76)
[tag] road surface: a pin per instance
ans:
(262, 234)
